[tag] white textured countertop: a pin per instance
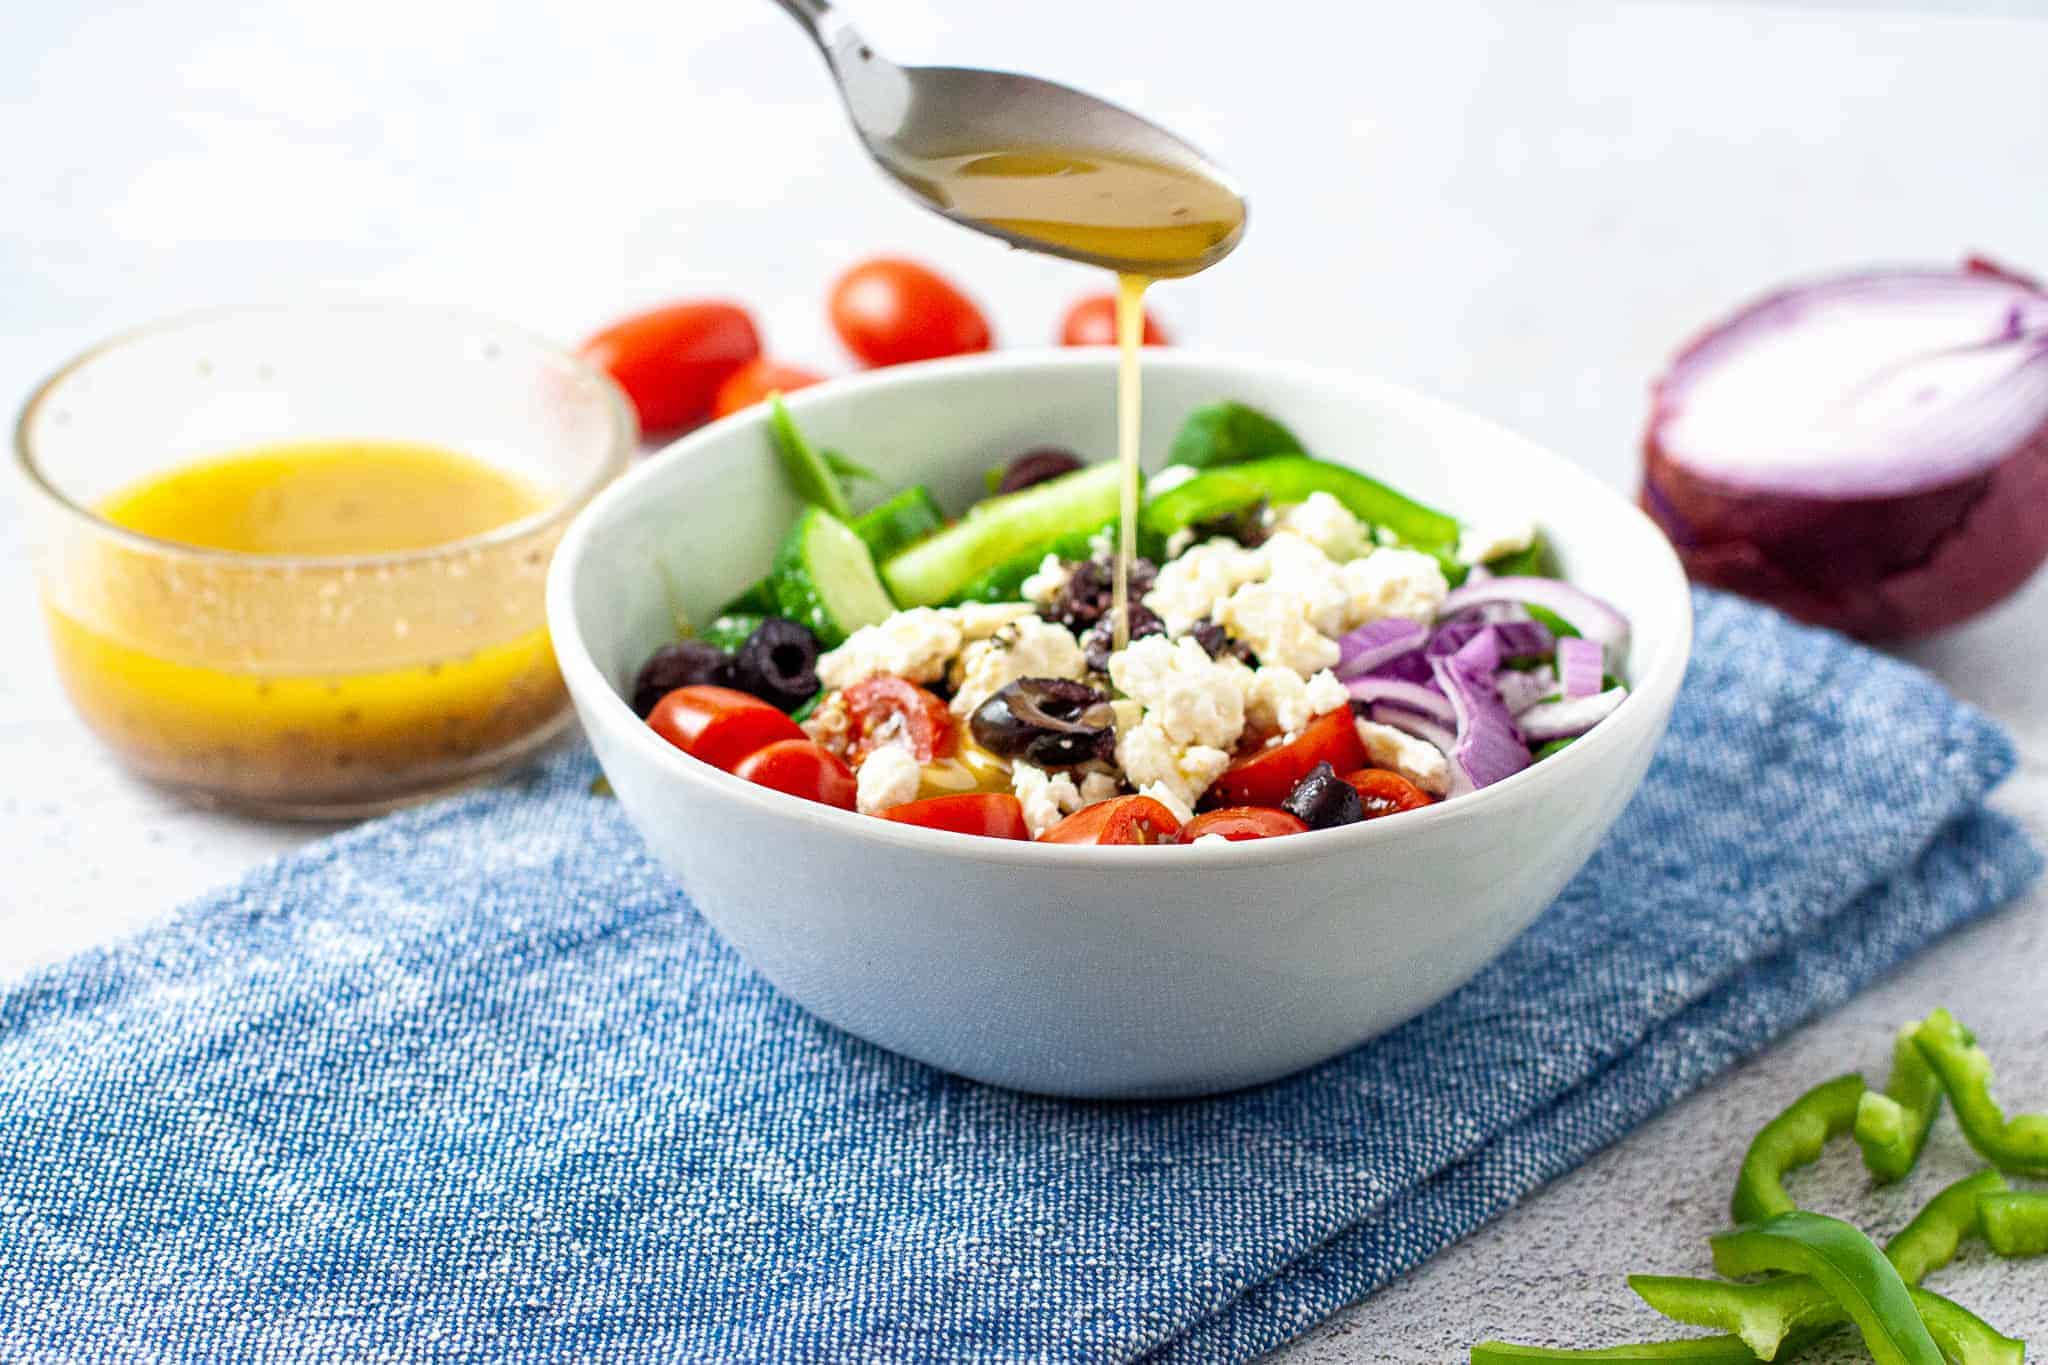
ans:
(1522, 212)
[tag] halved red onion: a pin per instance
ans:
(1581, 666)
(1587, 614)
(1489, 746)
(1868, 452)
(1568, 718)
(1378, 642)
(1410, 696)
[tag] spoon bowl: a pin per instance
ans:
(971, 144)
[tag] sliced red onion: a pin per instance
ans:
(1868, 452)
(1516, 639)
(1581, 666)
(1376, 643)
(1430, 733)
(1587, 614)
(1410, 696)
(1489, 746)
(1522, 689)
(1569, 718)
(1412, 667)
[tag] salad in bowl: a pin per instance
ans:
(1300, 647)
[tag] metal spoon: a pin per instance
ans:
(912, 116)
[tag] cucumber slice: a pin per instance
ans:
(900, 522)
(825, 579)
(1005, 582)
(730, 630)
(999, 530)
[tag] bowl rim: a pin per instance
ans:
(1656, 690)
(622, 440)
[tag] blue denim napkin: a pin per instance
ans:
(477, 1082)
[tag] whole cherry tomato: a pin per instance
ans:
(1239, 823)
(1092, 322)
(884, 708)
(890, 311)
(801, 768)
(719, 725)
(992, 815)
(1266, 777)
(1119, 820)
(670, 361)
(1387, 793)
(755, 380)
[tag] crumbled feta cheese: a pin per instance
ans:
(915, 644)
(1125, 713)
(979, 620)
(1393, 582)
(1277, 701)
(1192, 698)
(1269, 619)
(1155, 764)
(1177, 543)
(1297, 568)
(1049, 798)
(1415, 759)
(889, 777)
(1030, 647)
(1188, 587)
(1485, 540)
(827, 724)
(1169, 478)
(1210, 839)
(1102, 544)
(1326, 694)
(1047, 582)
(1326, 524)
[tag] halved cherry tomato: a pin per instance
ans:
(670, 361)
(1119, 820)
(1387, 793)
(1239, 823)
(1092, 322)
(993, 816)
(755, 380)
(801, 768)
(1266, 777)
(889, 311)
(886, 708)
(718, 724)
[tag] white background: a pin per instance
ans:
(1523, 207)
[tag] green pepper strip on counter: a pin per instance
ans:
(2018, 1144)
(1963, 1337)
(1711, 1349)
(1892, 1127)
(1795, 1309)
(1794, 1138)
(2015, 1222)
(1845, 1263)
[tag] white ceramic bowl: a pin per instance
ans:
(1100, 971)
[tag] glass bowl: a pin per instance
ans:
(311, 687)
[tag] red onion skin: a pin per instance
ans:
(1875, 568)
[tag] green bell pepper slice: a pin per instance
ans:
(1963, 1337)
(1774, 1317)
(1845, 1263)
(1892, 1127)
(2018, 1144)
(1793, 1138)
(1282, 479)
(2015, 1221)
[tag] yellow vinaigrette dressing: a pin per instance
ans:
(1158, 221)
(280, 679)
